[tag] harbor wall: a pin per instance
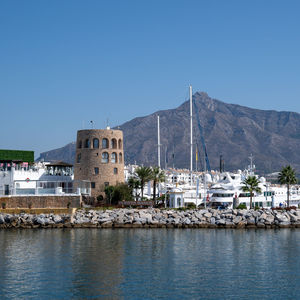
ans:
(37, 201)
(156, 218)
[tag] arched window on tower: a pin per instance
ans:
(105, 157)
(87, 143)
(114, 144)
(95, 143)
(105, 143)
(120, 158)
(114, 158)
(120, 144)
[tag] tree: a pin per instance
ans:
(251, 185)
(287, 176)
(144, 174)
(109, 190)
(118, 193)
(121, 192)
(134, 185)
(157, 176)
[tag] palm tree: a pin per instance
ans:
(144, 174)
(134, 184)
(157, 176)
(287, 176)
(250, 184)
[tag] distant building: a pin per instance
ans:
(99, 158)
(20, 175)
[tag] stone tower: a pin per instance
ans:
(99, 158)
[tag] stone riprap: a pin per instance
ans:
(156, 218)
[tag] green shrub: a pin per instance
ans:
(100, 198)
(242, 206)
(3, 205)
(180, 209)
(191, 206)
(117, 193)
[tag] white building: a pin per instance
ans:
(21, 177)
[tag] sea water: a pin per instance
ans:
(150, 264)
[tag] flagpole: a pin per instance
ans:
(196, 158)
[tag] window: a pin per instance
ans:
(105, 143)
(79, 145)
(106, 183)
(114, 157)
(178, 201)
(93, 185)
(78, 158)
(87, 143)
(95, 143)
(96, 170)
(115, 170)
(114, 143)
(105, 157)
(120, 144)
(120, 158)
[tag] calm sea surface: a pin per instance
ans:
(150, 264)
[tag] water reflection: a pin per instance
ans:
(151, 264)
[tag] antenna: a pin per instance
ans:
(158, 142)
(191, 124)
(107, 124)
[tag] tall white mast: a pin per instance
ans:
(251, 165)
(191, 123)
(158, 142)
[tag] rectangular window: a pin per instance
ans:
(96, 170)
(115, 170)
(93, 185)
(106, 183)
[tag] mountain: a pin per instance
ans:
(231, 130)
(66, 154)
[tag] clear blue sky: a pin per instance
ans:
(65, 62)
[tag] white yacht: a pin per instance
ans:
(229, 188)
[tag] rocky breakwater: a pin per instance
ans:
(157, 218)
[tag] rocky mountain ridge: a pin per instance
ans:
(231, 130)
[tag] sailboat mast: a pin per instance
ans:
(158, 142)
(191, 123)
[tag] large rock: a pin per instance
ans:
(146, 216)
(221, 222)
(282, 218)
(294, 218)
(237, 219)
(251, 221)
(208, 215)
(39, 220)
(57, 219)
(269, 220)
(2, 220)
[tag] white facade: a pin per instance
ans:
(39, 179)
(176, 199)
